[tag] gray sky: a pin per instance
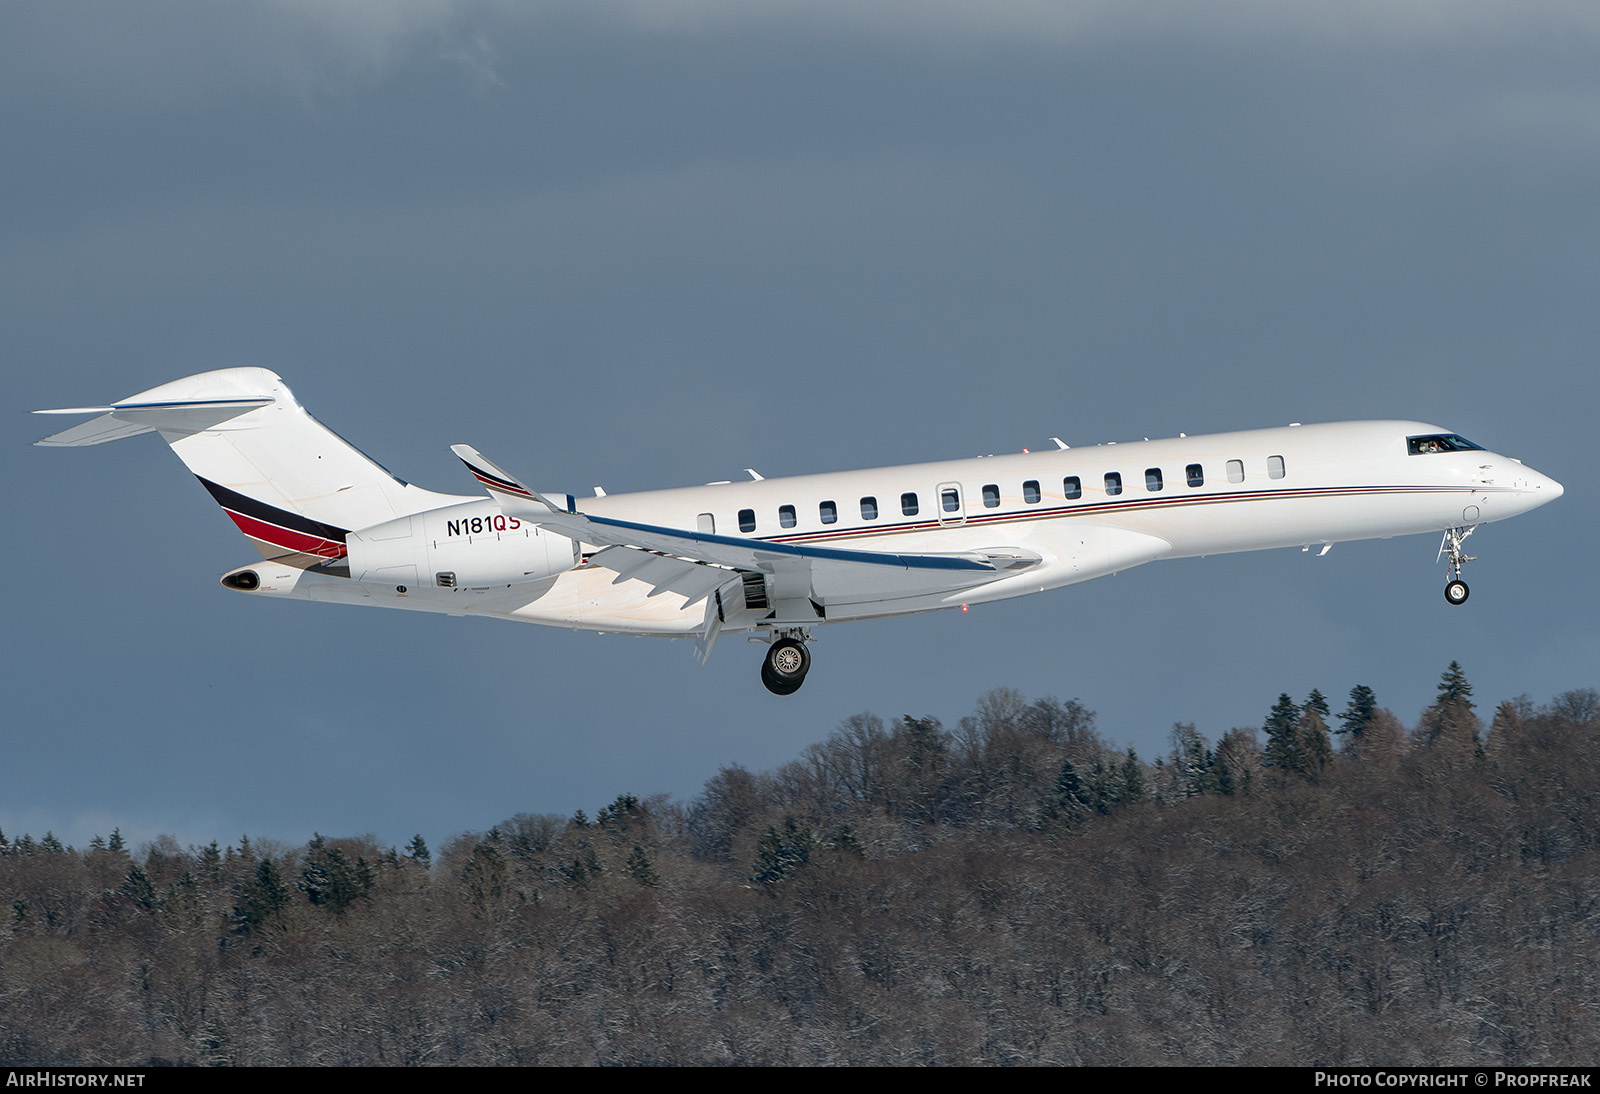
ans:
(647, 244)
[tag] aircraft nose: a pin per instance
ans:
(1543, 488)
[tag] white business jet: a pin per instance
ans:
(775, 558)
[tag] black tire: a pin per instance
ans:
(784, 668)
(1456, 592)
(777, 686)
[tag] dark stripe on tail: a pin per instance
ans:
(280, 527)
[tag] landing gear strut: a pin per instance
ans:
(784, 668)
(1455, 590)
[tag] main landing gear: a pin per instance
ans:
(1455, 590)
(784, 668)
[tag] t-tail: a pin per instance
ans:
(291, 484)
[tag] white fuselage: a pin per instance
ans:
(1187, 496)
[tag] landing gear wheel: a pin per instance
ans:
(1455, 590)
(776, 686)
(785, 666)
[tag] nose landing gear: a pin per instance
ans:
(784, 668)
(1455, 590)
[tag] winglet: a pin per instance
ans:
(502, 485)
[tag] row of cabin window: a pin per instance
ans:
(950, 499)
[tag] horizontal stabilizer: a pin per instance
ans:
(131, 419)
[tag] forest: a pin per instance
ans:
(1326, 888)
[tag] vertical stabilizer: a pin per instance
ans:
(289, 482)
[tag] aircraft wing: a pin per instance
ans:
(802, 571)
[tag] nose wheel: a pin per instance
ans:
(1455, 590)
(784, 668)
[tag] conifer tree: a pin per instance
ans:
(1450, 721)
(1223, 777)
(418, 851)
(781, 853)
(1454, 689)
(1357, 715)
(1132, 789)
(264, 896)
(1282, 728)
(1102, 790)
(1318, 702)
(639, 868)
(328, 877)
(845, 840)
(618, 813)
(137, 888)
(1068, 798)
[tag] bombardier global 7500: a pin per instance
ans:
(776, 558)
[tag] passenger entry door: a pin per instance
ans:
(951, 509)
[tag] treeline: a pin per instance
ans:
(1015, 889)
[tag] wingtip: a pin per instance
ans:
(497, 480)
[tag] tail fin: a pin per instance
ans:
(291, 484)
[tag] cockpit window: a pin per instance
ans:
(1440, 442)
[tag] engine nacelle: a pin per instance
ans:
(468, 546)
